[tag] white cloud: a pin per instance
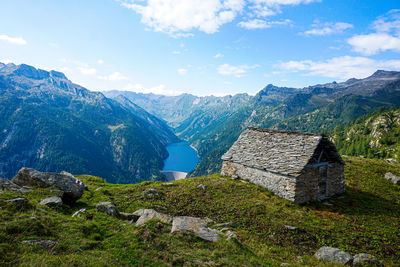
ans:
(328, 28)
(100, 61)
(341, 67)
(87, 70)
(176, 52)
(262, 24)
(374, 43)
(385, 38)
(219, 55)
(116, 76)
(5, 61)
(179, 17)
(182, 71)
(159, 89)
(237, 71)
(13, 40)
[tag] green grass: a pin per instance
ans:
(365, 219)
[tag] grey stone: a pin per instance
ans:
(98, 188)
(150, 214)
(364, 259)
(227, 224)
(73, 188)
(58, 193)
(289, 227)
(6, 185)
(196, 225)
(19, 202)
(46, 244)
(139, 212)
(79, 213)
(329, 254)
(151, 193)
(201, 186)
(229, 235)
(167, 184)
(52, 202)
(128, 216)
(285, 264)
(392, 178)
(108, 208)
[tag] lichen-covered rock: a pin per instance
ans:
(19, 202)
(52, 202)
(150, 214)
(151, 193)
(6, 185)
(392, 178)
(329, 254)
(196, 225)
(73, 188)
(364, 259)
(108, 208)
(46, 244)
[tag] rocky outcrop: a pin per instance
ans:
(151, 193)
(335, 255)
(53, 202)
(46, 244)
(392, 178)
(195, 225)
(150, 214)
(108, 208)
(6, 185)
(73, 188)
(364, 259)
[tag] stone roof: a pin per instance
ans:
(281, 152)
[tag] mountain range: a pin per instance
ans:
(211, 124)
(51, 124)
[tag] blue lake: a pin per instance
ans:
(182, 158)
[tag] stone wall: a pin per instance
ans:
(282, 185)
(335, 183)
(307, 185)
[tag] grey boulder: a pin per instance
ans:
(364, 259)
(329, 254)
(196, 225)
(150, 214)
(79, 213)
(151, 193)
(6, 185)
(108, 208)
(73, 188)
(392, 178)
(52, 202)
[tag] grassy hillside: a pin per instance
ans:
(375, 135)
(365, 219)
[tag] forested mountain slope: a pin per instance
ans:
(49, 123)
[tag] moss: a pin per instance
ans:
(364, 219)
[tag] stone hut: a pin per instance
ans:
(297, 166)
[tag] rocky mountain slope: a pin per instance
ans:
(228, 223)
(216, 124)
(375, 135)
(49, 123)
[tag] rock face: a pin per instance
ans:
(19, 202)
(329, 254)
(364, 259)
(52, 202)
(73, 188)
(108, 208)
(46, 244)
(392, 178)
(296, 166)
(196, 225)
(6, 185)
(150, 214)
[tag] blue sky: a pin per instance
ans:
(202, 47)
